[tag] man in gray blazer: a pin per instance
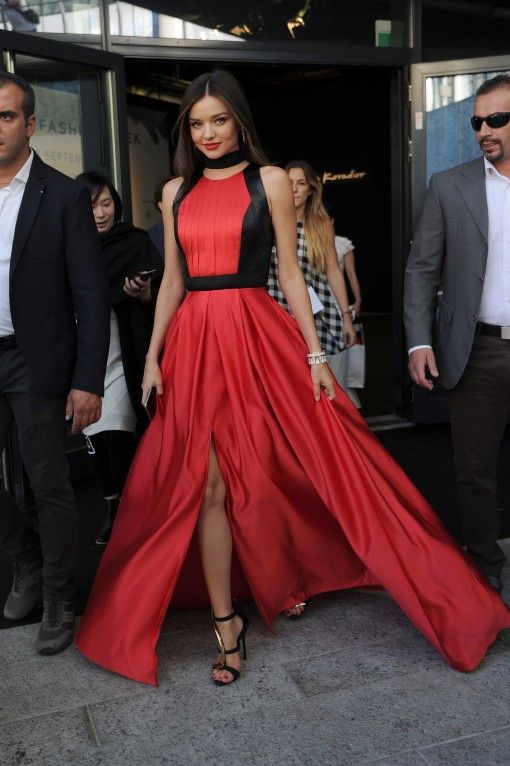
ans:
(462, 245)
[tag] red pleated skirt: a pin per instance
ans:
(315, 502)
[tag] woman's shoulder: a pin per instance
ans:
(170, 190)
(122, 230)
(273, 174)
(276, 181)
(125, 237)
(130, 231)
(343, 245)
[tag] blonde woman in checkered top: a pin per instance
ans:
(318, 260)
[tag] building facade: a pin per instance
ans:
(374, 95)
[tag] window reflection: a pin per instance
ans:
(16, 15)
(130, 20)
(300, 20)
(58, 136)
(373, 22)
(51, 16)
(58, 128)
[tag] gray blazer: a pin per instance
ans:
(449, 252)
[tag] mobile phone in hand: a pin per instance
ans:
(149, 403)
(143, 275)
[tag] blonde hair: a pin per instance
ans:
(317, 222)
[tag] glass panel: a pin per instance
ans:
(373, 22)
(135, 21)
(53, 16)
(149, 159)
(69, 119)
(449, 103)
(468, 26)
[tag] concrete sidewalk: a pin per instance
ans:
(350, 683)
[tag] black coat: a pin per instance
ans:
(58, 286)
(127, 250)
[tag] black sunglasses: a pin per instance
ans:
(496, 120)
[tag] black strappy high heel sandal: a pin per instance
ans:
(221, 664)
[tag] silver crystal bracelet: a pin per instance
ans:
(316, 357)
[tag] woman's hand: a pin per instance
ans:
(137, 288)
(152, 378)
(356, 307)
(322, 379)
(348, 331)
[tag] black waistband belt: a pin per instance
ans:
(225, 282)
(495, 330)
(8, 341)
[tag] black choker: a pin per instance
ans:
(227, 161)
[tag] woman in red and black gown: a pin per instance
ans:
(252, 449)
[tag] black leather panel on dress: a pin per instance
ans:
(257, 233)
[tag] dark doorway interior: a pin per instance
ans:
(339, 120)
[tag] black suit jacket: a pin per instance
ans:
(58, 286)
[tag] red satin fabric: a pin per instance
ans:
(315, 502)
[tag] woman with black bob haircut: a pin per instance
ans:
(128, 253)
(254, 450)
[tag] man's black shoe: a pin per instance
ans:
(26, 592)
(57, 627)
(495, 582)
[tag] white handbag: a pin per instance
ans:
(356, 361)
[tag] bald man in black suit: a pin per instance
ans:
(54, 336)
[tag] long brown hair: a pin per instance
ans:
(317, 222)
(220, 83)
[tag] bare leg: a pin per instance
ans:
(215, 541)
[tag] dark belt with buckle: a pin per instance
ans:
(8, 341)
(495, 330)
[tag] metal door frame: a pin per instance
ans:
(111, 68)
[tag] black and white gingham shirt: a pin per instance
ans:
(329, 320)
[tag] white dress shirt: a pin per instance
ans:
(10, 202)
(495, 303)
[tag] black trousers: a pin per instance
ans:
(479, 406)
(40, 422)
(112, 454)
